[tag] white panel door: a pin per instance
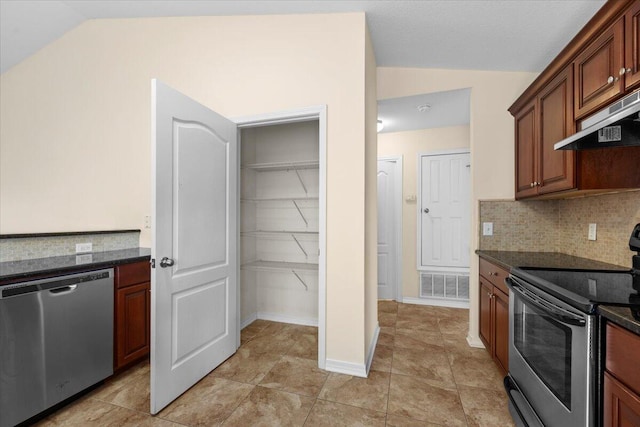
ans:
(387, 229)
(444, 210)
(193, 291)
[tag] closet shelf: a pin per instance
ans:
(283, 166)
(280, 266)
(280, 199)
(265, 233)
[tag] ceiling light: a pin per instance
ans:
(424, 108)
(380, 125)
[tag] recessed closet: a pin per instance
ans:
(279, 213)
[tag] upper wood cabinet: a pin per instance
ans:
(632, 46)
(600, 65)
(599, 70)
(539, 125)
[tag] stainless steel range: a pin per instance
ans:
(553, 340)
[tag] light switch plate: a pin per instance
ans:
(487, 229)
(592, 232)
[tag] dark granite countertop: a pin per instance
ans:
(621, 316)
(551, 260)
(13, 271)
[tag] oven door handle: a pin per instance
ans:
(551, 309)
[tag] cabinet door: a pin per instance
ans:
(132, 323)
(597, 70)
(621, 405)
(485, 315)
(632, 45)
(526, 151)
(556, 168)
(501, 329)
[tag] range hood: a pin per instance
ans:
(618, 125)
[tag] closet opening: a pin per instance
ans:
(282, 222)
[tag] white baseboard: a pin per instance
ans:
(347, 368)
(439, 302)
(283, 318)
(372, 348)
(475, 342)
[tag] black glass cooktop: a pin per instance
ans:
(585, 289)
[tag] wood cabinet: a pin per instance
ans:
(621, 399)
(494, 313)
(541, 123)
(132, 313)
(598, 74)
(599, 66)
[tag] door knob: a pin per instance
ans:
(166, 262)
(426, 210)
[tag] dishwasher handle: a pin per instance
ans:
(63, 290)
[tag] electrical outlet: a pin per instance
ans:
(487, 229)
(84, 247)
(147, 221)
(592, 232)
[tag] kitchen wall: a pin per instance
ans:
(75, 151)
(562, 225)
(409, 145)
(491, 137)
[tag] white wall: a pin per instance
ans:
(75, 136)
(491, 141)
(408, 145)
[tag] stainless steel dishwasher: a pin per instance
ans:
(56, 339)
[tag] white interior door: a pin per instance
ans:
(193, 294)
(444, 210)
(388, 228)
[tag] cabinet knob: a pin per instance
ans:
(610, 80)
(622, 71)
(531, 185)
(628, 70)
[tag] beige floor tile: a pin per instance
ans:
(475, 372)
(208, 403)
(386, 336)
(305, 347)
(266, 407)
(453, 325)
(331, 414)
(419, 340)
(246, 366)
(449, 312)
(369, 393)
(387, 306)
(275, 342)
(387, 319)
(485, 408)
(252, 330)
(457, 343)
(432, 365)
(425, 400)
(382, 358)
(91, 412)
(417, 321)
(296, 375)
(397, 421)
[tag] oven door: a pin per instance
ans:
(551, 357)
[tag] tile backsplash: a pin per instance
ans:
(562, 226)
(21, 248)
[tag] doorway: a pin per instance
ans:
(390, 228)
(311, 114)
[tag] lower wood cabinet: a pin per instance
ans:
(494, 313)
(132, 313)
(621, 398)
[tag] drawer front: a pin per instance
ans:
(132, 274)
(623, 348)
(494, 274)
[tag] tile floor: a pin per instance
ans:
(423, 374)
